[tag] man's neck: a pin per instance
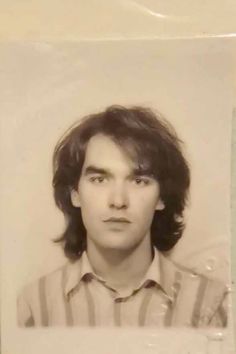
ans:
(121, 269)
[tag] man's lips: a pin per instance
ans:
(117, 220)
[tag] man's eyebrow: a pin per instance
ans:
(135, 172)
(93, 169)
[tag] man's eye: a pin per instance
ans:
(140, 181)
(97, 179)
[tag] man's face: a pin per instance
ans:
(117, 202)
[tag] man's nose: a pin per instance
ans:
(118, 197)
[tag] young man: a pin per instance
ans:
(121, 180)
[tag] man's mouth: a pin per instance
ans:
(117, 220)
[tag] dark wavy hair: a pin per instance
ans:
(152, 143)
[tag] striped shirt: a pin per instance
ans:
(168, 295)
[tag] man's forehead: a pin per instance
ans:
(104, 153)
(101, 148)
(102, 141)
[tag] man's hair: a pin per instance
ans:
(151, 142)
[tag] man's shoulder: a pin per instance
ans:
(39, 296)
(188, 276)
(190, 282)
(53, 281)
(204, 297)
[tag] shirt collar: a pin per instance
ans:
(76, 271)
(170, 276)
(153, 272)
(162, 271)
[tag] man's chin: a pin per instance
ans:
(118, 246)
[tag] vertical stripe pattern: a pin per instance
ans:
(68, 297)
(91, 306)
(144, 307)
(30, 322)
(170, 311)
(43, 302)
(117, 313)
(67, 301)
(223, 316)
(199, 301)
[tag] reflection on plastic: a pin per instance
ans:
(211, 264)
(144, 8)
(215, 343)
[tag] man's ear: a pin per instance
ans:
(75, 200)
(160, 205)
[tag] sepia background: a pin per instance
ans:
(48, 85)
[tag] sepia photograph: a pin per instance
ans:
(117, 177)
(122, 183)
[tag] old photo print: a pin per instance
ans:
(116, 189)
